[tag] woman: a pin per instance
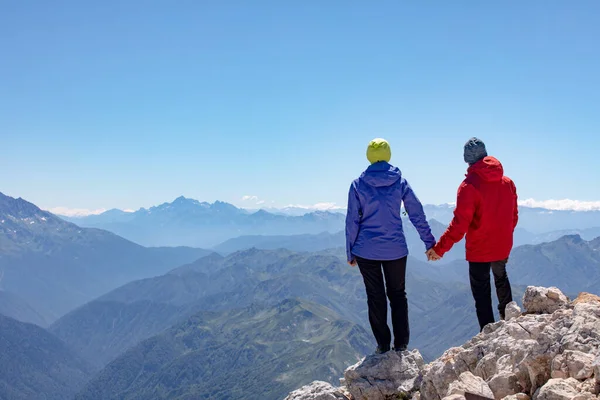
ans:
(375, 239)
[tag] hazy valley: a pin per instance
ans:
(281, 309)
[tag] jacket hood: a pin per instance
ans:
(489, 169)
(381, 174)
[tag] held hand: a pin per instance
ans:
(352, 263)
(432, 255)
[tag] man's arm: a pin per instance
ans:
(353, 215)
(414, 208)
(466, 200)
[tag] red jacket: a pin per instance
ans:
(486, 210)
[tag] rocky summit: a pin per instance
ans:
(548, 351)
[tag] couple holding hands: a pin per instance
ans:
(486, 211)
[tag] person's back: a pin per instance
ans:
(487, 212)
(375, 241)
(380, 191)
(490, 235)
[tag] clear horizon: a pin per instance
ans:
(129, 105)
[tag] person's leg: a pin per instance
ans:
(373, 278)
(479, 275)
(395, 280)
(503, 290)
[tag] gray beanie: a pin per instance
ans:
(474, 151)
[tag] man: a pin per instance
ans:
(486, 210)
(375, 241)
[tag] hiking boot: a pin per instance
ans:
(381, 350)
(402, 347)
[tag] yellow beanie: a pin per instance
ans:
(379, 150)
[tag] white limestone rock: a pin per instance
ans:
(556, 389)
(467, 382)
(317, 390)
(389, 374)
(573, 364)
(505, 384)
(512, 311)
(518, 396)
(541, 300)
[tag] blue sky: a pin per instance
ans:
(130, 104)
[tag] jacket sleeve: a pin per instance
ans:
(414, 208)
(353, 216)
(516, 215)
(466, 202)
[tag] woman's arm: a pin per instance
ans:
(352, 221)
(414, 208)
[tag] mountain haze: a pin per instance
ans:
(327, 241)
(183, 313)
(54, 265)
(103, 328)
(535, 220)
(34, 365)
(188, 222)
(252, 353)
(109, 325)
(571, 263)
(13, 306)
(226, 228)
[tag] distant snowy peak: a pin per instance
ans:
(443, 206)
(299, 210)
(551, 205)
(314, 207)
(562, 205)
(76, 212)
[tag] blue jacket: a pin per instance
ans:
(373, 222)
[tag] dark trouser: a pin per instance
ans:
(479, 274)
(395, 282)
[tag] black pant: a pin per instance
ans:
(395, 282)
(479, 274)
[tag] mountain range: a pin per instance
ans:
(534, 219)
(188, 222)
(252, 353)
(104, 328)
(186, 323)
(571, 263)
(55, 266)
(326, 240)
(143, 324)
(141, 308)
